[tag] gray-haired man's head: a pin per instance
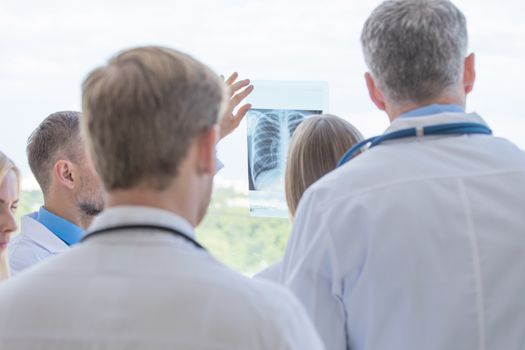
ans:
(58, 159)
(415, 49)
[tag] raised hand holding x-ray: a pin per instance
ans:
(238, 91)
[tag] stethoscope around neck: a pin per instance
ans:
(166, 229)
(431, 130)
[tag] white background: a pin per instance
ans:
(48, 47)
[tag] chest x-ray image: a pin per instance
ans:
(269, 134)
(278, 108)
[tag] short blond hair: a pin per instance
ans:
(316, 147)
(141, 112)
(6, 165)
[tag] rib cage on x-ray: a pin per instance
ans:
(271, 137)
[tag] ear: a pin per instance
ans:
(65, 173)
(206, 150)
(469, 75)
(375, 94)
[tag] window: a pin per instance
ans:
(49, 47)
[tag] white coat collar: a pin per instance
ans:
(130, 215)
(441, 118)
(38, 233)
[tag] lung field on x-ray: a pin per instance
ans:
(269, 134)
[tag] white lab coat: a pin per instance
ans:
(34, 243)
(146, 290)
(271, 273)
(418, 243)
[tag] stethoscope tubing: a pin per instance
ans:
(143, 227)
(431, 130)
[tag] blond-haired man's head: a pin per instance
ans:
(150, 118)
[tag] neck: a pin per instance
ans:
(66, 208)
(395, 110)
(176, 198)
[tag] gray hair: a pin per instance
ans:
(415, 49)
(58, 136)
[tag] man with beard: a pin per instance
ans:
(73, 193)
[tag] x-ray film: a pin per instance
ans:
(278, 109)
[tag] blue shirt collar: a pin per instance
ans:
(63, 229)
(433, 109)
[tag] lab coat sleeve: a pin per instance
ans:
(311, 269)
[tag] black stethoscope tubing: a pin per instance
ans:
(144, 227)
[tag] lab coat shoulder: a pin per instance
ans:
(236, 307)
(316, 240)
(409, 161)
(282, 319)
(271, 273)
(351, 179)
(278, 310)
(288, 316)
(24, 253)
(33, 244)
(314, 227)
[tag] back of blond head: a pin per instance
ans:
(317, 145)
(141, 112)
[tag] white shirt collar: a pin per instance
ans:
(129, 215)
(441, 118)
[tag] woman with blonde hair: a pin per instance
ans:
(9, 192)
(316, 147)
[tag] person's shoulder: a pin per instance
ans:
(282, 315)
(267, 308)
(271, 273)
(22, 242)
(358, 175)
(507, 151)
(270, 293)
(288, 317)
(24, 252)
(404, 162)
(29, 226)
(25, 239)
(266, 299)
(259, 293)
